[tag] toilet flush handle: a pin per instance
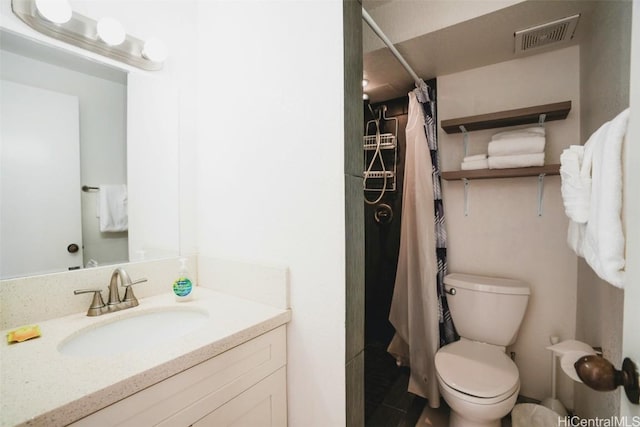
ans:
(450, 291)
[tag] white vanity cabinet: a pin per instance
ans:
(244, 386)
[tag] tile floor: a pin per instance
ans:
(399, 408)
(387, 402)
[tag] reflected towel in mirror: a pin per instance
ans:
(113, 208)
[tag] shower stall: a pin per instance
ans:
(386, 396)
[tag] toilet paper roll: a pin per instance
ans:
(569, 359)
(570, 346)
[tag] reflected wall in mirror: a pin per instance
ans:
(48, 93)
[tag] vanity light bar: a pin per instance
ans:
(82, 31)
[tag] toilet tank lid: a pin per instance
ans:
(498, 285)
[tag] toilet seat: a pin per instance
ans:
(475, 400)
(479, 372)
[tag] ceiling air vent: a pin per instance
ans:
(543, 35)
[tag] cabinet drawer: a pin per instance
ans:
(263, 405)
(199, 390)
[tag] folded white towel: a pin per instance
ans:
(517, 161)
(474, 164)
(603, 245)
(475, 157)
(113, 202)
(576, 184)
(519, 133)
(517, 145)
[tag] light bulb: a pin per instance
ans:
(365, 82)
(154, 50)
(56, 11)
(111, 31)
(365, 97)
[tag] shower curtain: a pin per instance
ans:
(419, 312)
(448, 332)
(414, 308)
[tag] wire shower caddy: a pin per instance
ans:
(380, 154)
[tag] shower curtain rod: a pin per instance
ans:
(369, 20)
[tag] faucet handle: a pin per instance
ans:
(129, 297)
(135, 282)
(96, 304)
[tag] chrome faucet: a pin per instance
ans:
(98, 307)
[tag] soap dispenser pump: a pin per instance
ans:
(183, 285)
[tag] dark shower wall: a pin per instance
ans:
(382, 241)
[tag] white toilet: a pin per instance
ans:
(479, 382)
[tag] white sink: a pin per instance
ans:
(142, 330)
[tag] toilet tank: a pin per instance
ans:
(486, 309)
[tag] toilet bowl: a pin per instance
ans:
(476, 378)
(468, 411)
(478, 381)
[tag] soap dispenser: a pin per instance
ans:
(183, 285)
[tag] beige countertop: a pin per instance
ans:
(39, 386)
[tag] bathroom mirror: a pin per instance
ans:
(42, 186)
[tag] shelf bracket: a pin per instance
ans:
(541, 120)
(465, 181)
(540, 192)
(465, 140)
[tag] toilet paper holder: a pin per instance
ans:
(599, 374)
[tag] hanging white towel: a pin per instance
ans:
(603, 245)
(516, 161)
(575, 183)
(517, 145)
(578, 219)
(577, 229)
(113, 208)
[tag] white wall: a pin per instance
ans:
(503, 235)
(271, 173)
